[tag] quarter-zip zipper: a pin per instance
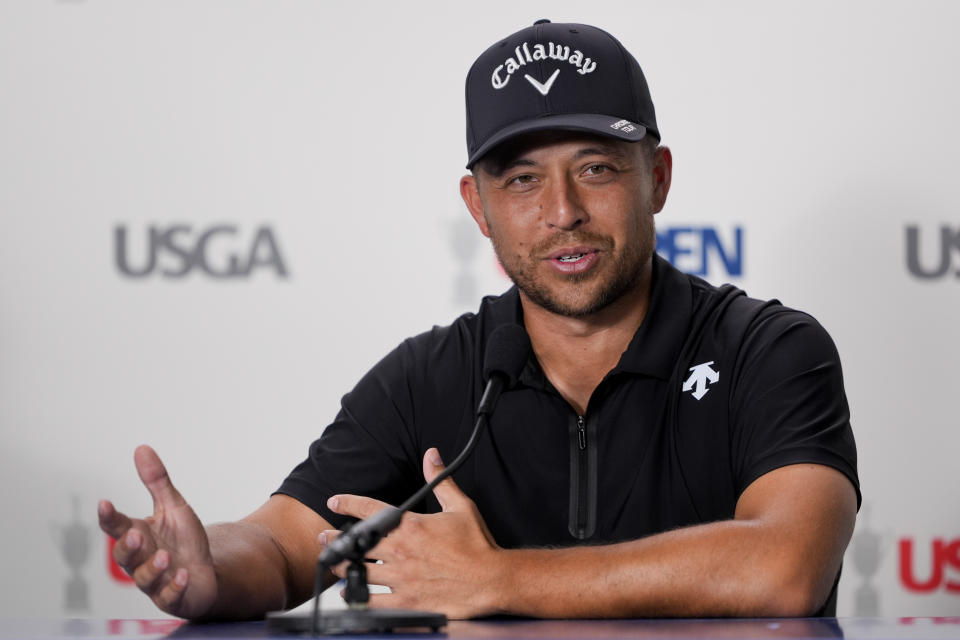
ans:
(582, 481)
(582, 484)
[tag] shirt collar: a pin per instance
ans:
(655, 346)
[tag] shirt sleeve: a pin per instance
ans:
(369, 449)
(788, 404)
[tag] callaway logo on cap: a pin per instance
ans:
(556, 76)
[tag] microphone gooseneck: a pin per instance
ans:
(506, 353)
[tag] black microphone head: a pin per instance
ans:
(507, 351)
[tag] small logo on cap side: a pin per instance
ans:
(544, 88)
(524, 55)
(623, 125)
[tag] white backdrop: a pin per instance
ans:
(821, 131)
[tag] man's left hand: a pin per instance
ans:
(447, 562)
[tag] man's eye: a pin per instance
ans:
(522, 180)
(597, 169)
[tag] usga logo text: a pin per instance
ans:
(175, 251)
(936, 260)
(937, 568)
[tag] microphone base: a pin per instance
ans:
(342, 621)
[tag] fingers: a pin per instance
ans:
(328, 536)
(147, 575)
(154, 578)
(449, 495)
(154, 476)
(133, 549)
(356, 506)
(172, 593)
(379, 573)
(447, 492)
(323, 539)
(112, 522)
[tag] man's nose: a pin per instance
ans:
(563, 206)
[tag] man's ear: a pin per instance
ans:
(470, 193)
(662, 175)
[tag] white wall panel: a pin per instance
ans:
(821, 129)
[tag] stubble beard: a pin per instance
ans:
(594, 290)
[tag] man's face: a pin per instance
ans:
(571, 217)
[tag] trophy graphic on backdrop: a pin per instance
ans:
(866, 551)
(74, 542)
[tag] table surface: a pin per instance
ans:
(851, 628)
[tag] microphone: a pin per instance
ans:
(506, 352)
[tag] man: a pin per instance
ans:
(670, 449)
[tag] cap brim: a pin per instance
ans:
(588, 122)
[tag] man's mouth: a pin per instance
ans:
(571, 260)
(571, 253)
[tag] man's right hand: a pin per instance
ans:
(168, 553)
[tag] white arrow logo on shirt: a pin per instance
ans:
(700, 376)
(544, 89)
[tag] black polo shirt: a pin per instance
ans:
(714, 390)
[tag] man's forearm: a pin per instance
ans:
(778, 558)
(731, 568)
(252, 577)
(266, 561)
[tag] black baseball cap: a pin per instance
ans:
(556, 76)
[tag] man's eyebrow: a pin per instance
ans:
(517, 162)
(602, 150)
(497, 169)
(594, 150)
